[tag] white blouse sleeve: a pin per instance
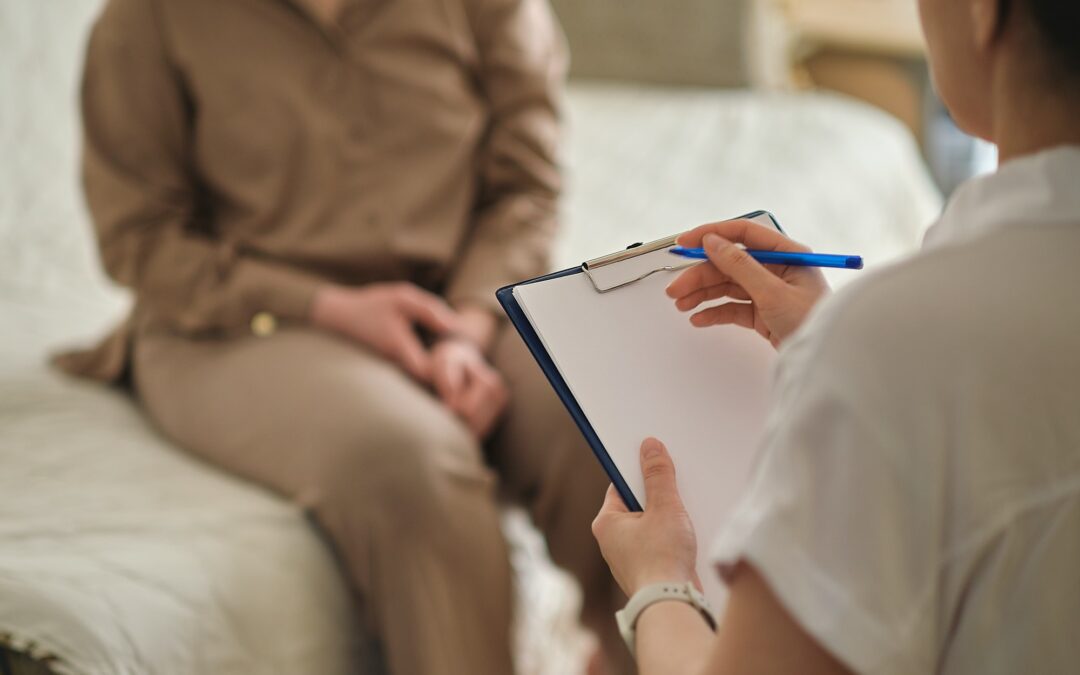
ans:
(842, 516)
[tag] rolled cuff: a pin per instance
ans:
(267, 289)
(819, 603)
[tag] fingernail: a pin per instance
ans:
(651, 448)
(712, 241)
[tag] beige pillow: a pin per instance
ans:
(697, 42)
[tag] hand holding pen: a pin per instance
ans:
(774, 299)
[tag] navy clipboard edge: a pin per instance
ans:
(505, 296)
(524, 328)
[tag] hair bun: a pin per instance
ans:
(1059, 22)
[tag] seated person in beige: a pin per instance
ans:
(314, 202)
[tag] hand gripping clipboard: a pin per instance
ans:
(607, 276)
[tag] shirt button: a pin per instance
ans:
(263, 324)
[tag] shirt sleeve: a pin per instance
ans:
(522, 62)
(143, 195)
(842, 516)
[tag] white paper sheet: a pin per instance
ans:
(638, 368)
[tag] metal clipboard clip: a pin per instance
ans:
(637, 262)
(640, 261)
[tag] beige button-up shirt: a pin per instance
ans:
(239, 153)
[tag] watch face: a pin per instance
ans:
(626, 629)
(620, 618)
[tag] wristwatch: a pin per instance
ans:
(627, 618)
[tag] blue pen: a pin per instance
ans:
(850, 262)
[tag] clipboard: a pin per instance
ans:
(609, 288)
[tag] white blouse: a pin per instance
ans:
(916, 503)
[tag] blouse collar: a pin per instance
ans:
(1038, 189)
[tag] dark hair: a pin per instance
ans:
(1058, 21)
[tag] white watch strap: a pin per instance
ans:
(627, 618)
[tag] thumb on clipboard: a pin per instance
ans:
(654, 545)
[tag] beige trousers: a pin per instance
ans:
(405, 492)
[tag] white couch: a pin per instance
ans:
(121, 554)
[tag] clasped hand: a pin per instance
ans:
(384, 318)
